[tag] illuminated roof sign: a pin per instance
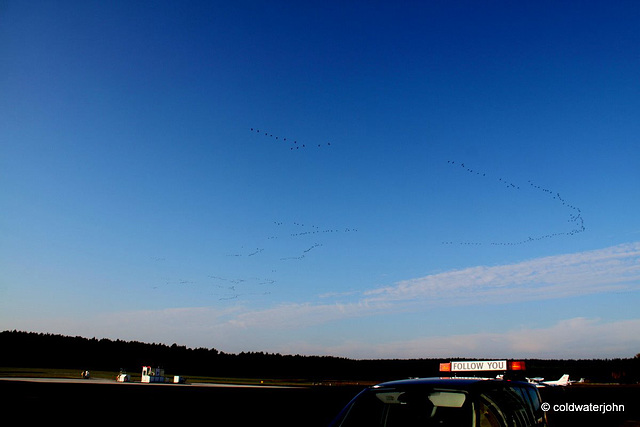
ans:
(481, 365)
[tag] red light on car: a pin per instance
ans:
(516, 365)
(445, 367)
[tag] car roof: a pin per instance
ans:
(460, 383)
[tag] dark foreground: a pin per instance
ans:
(87, 402)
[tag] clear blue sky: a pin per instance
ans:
(352, 178)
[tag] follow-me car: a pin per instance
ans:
(473, 402)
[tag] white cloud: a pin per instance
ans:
(570, 338)
(610, 269)
(283, 327)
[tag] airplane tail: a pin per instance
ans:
(564, 380)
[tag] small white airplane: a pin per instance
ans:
(540, 382)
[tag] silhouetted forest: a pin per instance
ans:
(29, 349)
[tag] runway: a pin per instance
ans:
(44, 400)
(47, 399)
(108, 381)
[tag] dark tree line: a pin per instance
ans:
(29, 349)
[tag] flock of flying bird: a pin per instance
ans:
(314, 230)
(575, 217)
(293, 144)
(232, 289)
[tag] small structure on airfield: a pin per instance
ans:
(123, 377)
(150, 375)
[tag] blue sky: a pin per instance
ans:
(359, 179)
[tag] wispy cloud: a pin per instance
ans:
(611, 269)
(283, 327)
(570, 338)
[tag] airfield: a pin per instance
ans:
(48, 399)
(42, 400)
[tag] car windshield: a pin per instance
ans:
(392, 407)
